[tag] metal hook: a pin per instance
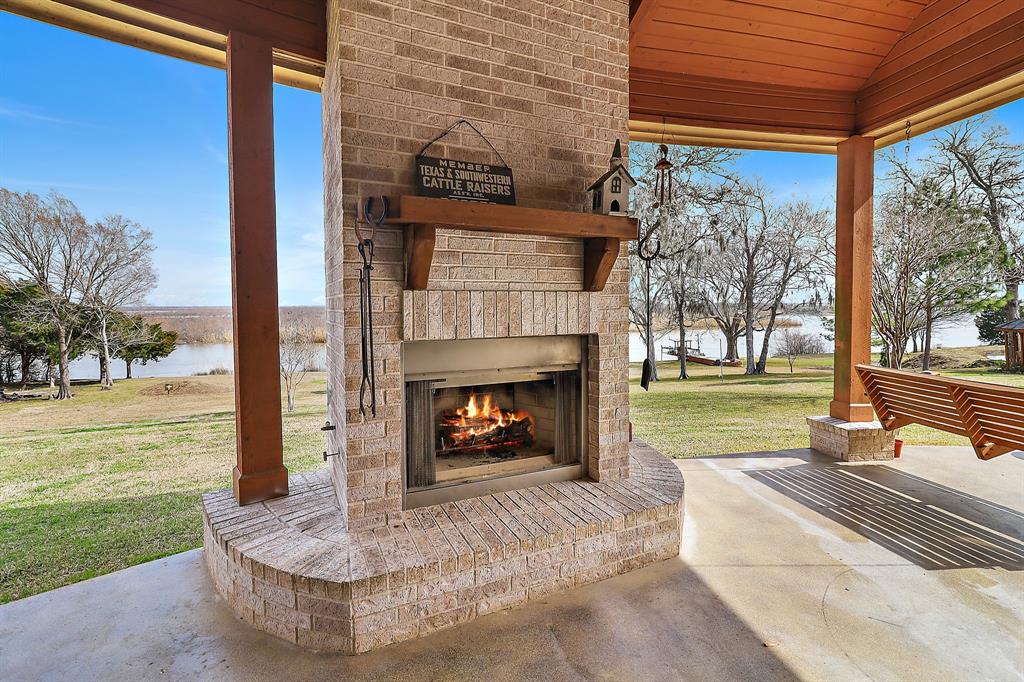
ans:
(372, 220)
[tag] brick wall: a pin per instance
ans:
(547, 83)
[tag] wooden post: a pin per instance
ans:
(259, 473)
(854, 189)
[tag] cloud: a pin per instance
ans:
(44, 186)
(217, 153)
(23, 113)
(189, 278)
(300, 274)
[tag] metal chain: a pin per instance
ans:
(906, 175)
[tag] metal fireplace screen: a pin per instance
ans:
(466, 423)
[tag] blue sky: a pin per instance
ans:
(121, 130)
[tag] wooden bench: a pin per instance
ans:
(991, 416)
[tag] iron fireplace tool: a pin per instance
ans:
(365, 247)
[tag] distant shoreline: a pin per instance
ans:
(213, 324)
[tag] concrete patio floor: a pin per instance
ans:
(792, 566)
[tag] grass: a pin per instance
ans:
(740, 413)
(113, 478)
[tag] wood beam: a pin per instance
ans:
(599, 254)
(259, 473)
(421, 216)
(854, 227)
(419, 254)
(129, 24)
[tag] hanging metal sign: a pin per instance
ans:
(464, 180)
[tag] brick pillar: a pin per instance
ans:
(259, 473)
(854, 190)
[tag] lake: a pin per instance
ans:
(190, 358)
(962, 332)
(186, 360)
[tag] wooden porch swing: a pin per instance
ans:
(991, 416)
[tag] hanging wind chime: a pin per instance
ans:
(648, 248)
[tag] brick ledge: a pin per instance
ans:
(288, 566)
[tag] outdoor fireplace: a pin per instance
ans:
(486, 415)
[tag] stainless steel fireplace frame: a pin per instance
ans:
(495, 361)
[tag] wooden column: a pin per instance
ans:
(854, 224)
(259, 473)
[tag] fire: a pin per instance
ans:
(481, 416)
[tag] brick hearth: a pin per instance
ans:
(291, 568)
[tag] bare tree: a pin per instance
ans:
(718, 297)
(679, 226)
(768, 250)
(298, 354)
(46, 243)
(791, 344)
(903, 251)
(701, 175)
(798, 262)
(122, 274)
(983, 171)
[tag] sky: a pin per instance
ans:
(121, 130)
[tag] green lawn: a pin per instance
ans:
(113, 478)
(737, 413)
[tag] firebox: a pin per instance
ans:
(488, 415)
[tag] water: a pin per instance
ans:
(190, 358)
(955, 334)
(186, 360)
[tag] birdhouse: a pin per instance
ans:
(610, 192)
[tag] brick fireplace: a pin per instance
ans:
(407, 531)
(548, 87)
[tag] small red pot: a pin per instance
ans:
(897, 448)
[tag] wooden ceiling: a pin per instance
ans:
(763, 74)
(801, 74)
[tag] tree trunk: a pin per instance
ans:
(128, 369)
(731, 344)
(1012, 307)
(896, 353)
(26, 370)
(49, 372)
(680, 307)
(106, 382)
(762, 361)
(914, 348)
(748, 321)
(290, 392)
(926, 356)
(104, 373)
(64, 364)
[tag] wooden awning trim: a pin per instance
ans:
(194, 31)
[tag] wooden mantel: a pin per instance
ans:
(421, 216)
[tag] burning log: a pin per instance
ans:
(476, 428)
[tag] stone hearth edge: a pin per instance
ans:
(290, 568)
